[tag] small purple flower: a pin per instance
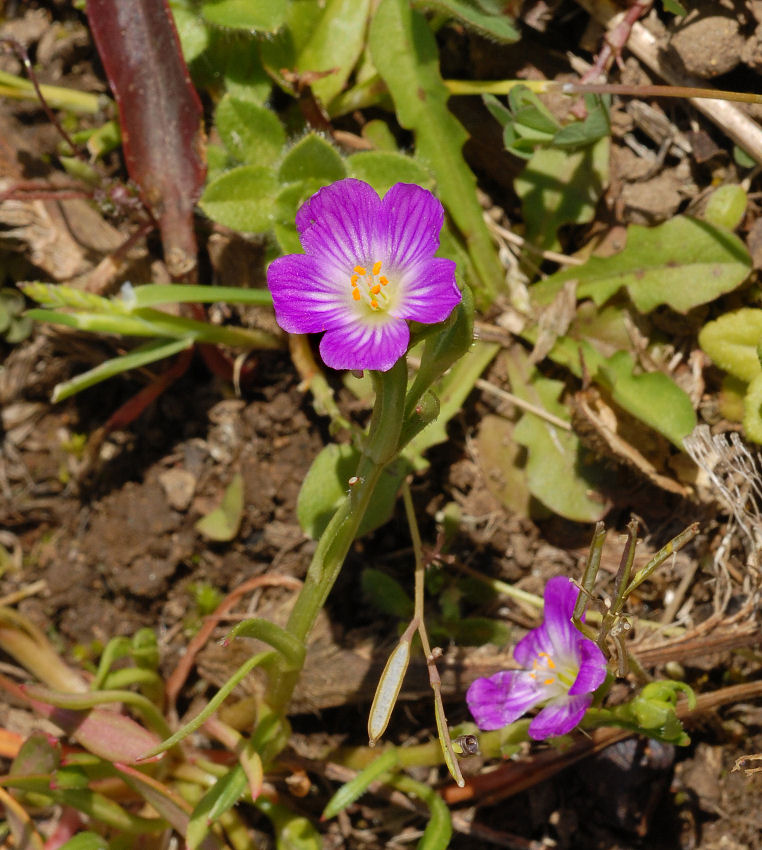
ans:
(368, 268)
(562, 668)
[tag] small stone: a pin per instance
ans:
(179, 486)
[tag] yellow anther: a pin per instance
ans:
(374, 303)
(377, 267)
(383, 281)
(360, 270)
(548, 681)
(356, 294)
(375, 289)
(353, 280)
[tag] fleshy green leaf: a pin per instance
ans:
(561, 187)
(243, 198)
(86, 841)
(682, 263)
(292, 831)
(221, 797)
(262, 15)
(731, 341)
(222, 524)
(752, 417)
(500, 460)
(726, 206)
(355, 788)
(251, 133)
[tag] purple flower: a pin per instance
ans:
(368, 268)
(562, 668)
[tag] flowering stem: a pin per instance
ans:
(451, 760)
(380, 448)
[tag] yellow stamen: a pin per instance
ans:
(374, 290)
(548, 660)
(356, 294)
(377, 267)
(548, 681)
(374, 303)
(353, 280)
(383, 281)
(360, 270)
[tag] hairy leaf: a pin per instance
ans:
(493, 23)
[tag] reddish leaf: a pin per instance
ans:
(159, 114)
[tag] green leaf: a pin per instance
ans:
(752, 417)
(312, 157)
(327, 482)
(335, 45)
(86, 841)
(556, 470)
(382, 169)
(653, 397)
(141, 356)
(220, 798)
(438, 830)
(251, 133)
(726, 206)
(501, 460)
(406, 55)
(292, 831)
(222, 524)
(386, 594)
(261, 16)
(243, 198)
(595, 126)
(477, 631)
(561, 187)
(675, 7)
(193, 34)
(731, 341)
(682, 263)
(493, 24)
(452, 391)
(355, 788)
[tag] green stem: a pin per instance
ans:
(380, 449)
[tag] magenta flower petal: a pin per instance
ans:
(408, 225)
(560, 599)
(304, 300)
(561, 669)
(498, 700)
(559, 717)
(531, 645)
(368, 268)
(430, 292)
(356, 346)
(592, 668)
(338, 225)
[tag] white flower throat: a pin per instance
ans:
(368, 286)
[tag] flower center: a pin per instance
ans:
(368, 286)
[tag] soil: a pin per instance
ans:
(98, 525)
